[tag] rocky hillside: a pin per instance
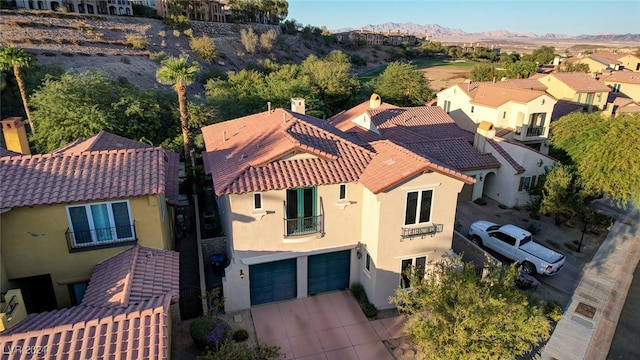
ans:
(79, 42)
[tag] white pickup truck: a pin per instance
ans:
(516, 244)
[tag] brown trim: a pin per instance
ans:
(521, 183)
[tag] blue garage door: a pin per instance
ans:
(329, 272)
(273, 281)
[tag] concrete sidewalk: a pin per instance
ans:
(589, 322)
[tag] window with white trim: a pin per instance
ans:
(342, 194)
(257, 201)
(447, 106)
(418, 207)
(417, 264)
(98, 223)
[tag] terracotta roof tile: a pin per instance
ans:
(626, 77)
(6, 153)
(132, 276)
(139, 331)
(580, 82)
(83, 176)
(102, 141)
(454, 153)
(342, 120)
(606, 57)
(564, 107)
(635, 108)
(495, 94)
(514, 164)
(525, 84)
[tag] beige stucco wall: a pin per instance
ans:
(46, 252)
(630, 90)
(594, 66)
(559, 90)
(630, 62)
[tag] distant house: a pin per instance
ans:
(630, 62)
(623, 82)
(578, 88)
(522, 106)
(96, 7)
(606, 61)
(308, 208)
(370, 37)
(125, 313)
(202, 10)
(65, 211)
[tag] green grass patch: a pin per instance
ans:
(430, 62)
(372, 75)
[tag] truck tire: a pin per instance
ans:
(528, 268)
(476, 240)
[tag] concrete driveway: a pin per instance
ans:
(326, 326)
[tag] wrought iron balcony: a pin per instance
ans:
(410, 233)
(530, 131)
(303, 225)
(94, 239)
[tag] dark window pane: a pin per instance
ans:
(343, 192)
(308, 202)
(410, 212)
(367, 263)
(425, 206)
(421, 264)
(257, 201)
(406, 269)
(80, 224)
(122, 222)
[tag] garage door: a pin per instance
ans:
(273, 281)
(329, 272)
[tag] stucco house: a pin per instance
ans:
(578, 88)
(626, 83)
(97, 7)
(66, 211)
(605, 61)
(520, 105)
(125, 313)
(308, 208)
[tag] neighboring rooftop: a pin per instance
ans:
(579, 82)
(496, 94)
(627, 77)
(78, 173)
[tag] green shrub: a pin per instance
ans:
(553, 311)
(176, 33)
(204, 47)
(209, 331)
(158, 57)
(136, 41)
(369, 310)
(188, 32)
(358, 291)
(240, 335)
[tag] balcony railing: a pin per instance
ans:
(410, 233)
(303, 225)
(94, 239)
(530, 131)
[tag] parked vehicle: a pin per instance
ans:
(516, 244)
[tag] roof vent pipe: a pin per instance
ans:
(269, 107)
(224, 136)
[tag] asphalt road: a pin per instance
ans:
(626, 344)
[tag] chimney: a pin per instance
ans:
(297, 105)
(375, 101)
(484, 132)
(15, 135)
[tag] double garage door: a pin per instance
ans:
(278, 280)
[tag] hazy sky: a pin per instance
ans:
(571, 17)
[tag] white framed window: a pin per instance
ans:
(418, 207)
(408, 265)
(342, 192)
(447, 106)
(616, 88)
(99, 223)
(257, 201)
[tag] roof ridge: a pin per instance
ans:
(131, 274)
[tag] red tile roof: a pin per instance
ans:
(343, 119)
(514, 164)
(455, 153)
(132, 276)
(626, 77)
(530, 84)
(101, 141)
(606, 57)
(138, 331)
(85, 176)
(248, 154)
(496, 94)
(580, 82)
(5, 152)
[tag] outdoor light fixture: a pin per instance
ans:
(241, 274)
(540, 162)
(359, 251)
(481, 178)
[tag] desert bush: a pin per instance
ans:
(162, 33)
(358, 292)
(553, 310)
(204, 47)
(369, 310)
(267, 39)
(249, 40)
(240, 335)
(176, 33)
(358, 60)
(136, 41)
(158, 57)
(209, 331)
(188, 32)
(212, 72)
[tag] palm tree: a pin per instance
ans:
(14, 59)
(179, 73)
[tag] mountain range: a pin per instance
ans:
(440, 32)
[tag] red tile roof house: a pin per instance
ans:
(522, 106)
(308, 208)
(64, 212)
(125, 313)
(504, 169)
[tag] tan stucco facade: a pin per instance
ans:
(34, 242)
(594, 65)
(630, 62)
(371, 222)
(560, 90)
(630, 90)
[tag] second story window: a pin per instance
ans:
(100, 223)
(447, 106)
(418, 207)
(342, 194)
(257, 201)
